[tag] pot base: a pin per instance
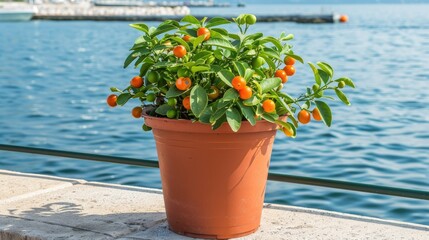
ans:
(206, 236)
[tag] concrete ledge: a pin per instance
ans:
(42, 207)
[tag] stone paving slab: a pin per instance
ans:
(87, 210)
(15, 185)
(109, 210)
(295, 223)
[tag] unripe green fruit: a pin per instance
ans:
(319, 94)
(171, 113)
(150, 97)
(250, 19)
(315, 87)
(341, 84)
(146, 128)
(153, 77)
(172, 102)
(258, 62)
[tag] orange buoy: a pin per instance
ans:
(344, 18)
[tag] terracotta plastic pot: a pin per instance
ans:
(213, 181)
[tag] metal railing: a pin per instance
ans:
(352, 186)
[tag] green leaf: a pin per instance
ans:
(140, 26)
(123, 98)
(163, 109)
(205, 116)
(270, 117)
(252, 101)
(230, 95)
(239, 67)
(218, 123)
(325, 112)
(222, 43)
(199, 100)
(270, 83)
(347, 81)
(316, 73)
(226, 76)
(326, 67)
(218, 114)
(197, 41)
(191, 19)
(267, 59)
(296, 57)
(323, 75)
(216, 21)
(202, 55)
(283, 104)
(181, 42)
(289, 126)
(129, 59)
(272, 53)
(114, 89)
(273, 40)
(248, 113)
(195, 69)
(222, 32)
(163, 29)
(342, 97)
(144, 68)
(253, 36)
(286, 37)
(233, 117)
(174, 92)
(248, 74)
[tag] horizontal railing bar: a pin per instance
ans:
(368, 188)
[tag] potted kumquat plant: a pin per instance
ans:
(214, 102)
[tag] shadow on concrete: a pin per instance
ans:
(64, 220)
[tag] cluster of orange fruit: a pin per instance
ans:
(180, 51)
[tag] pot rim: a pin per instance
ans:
(183, 125)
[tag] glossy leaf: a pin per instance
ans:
(140, 26)
(222, 43)
(248, 113)
(197, 41)
(199, 100)
(316, 74)
(230, 95)
(252, 101)
(342, 97)
(191, 19)
(123, 98)
(163, 109)
(326, 67)
(195, 69)
(296, 57)
(174, 92)
(181, 42)
(233, 118)
(226, 76)
(163, 29)
(270, 83)
(325, 112)
(216, 21)
(347, 81)
(240, 68)
(248, 74)
(129, 59)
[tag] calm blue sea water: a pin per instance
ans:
(54, 77)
